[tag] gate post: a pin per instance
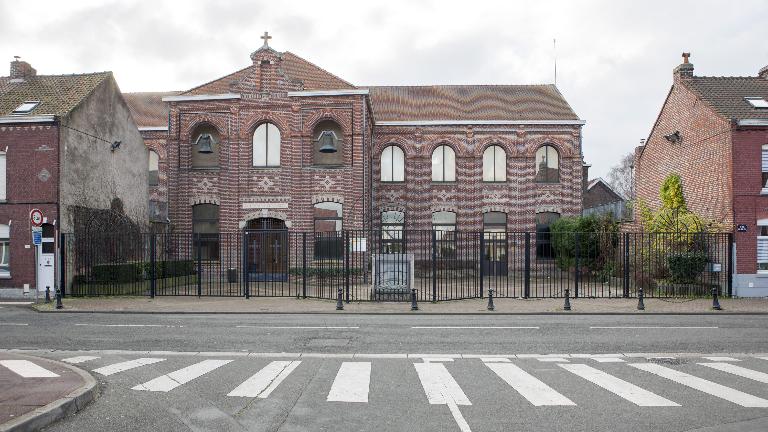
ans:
(346, 265)
(304, 265)
(152, 265)
(527, 268)
(482, 262)
(246, 287)
(578, 271)
(62, 264)
(199, 265)
(626, 265)
(730, 271)
(434, 265)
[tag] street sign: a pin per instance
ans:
(37, 238)
(36, 217)
(741, 227)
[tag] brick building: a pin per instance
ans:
(283, 143)
(600, 199)
(59, 154)
(713, 132)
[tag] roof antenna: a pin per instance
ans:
(554, 48)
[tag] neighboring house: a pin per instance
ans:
(70, 149)
(600, 199)
(283, 143)
(713, 132)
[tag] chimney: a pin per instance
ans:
(21, 70)
(763, 72)
(685, 69)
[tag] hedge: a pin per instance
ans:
(685, 267)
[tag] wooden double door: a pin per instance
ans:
(267, 243)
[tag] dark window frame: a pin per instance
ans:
(267, 146)
(327, 245)
(495, 175)
(547, 176)
(209, 243)
(391, 147)
(442, 148)
(393, 244)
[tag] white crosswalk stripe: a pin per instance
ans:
(27, 369)
(126, 365)
(80, 359)
(608, 360)
(702, 385)
(352, 383)
(168, 382)
(740, 371)
(530, 387)
(618, 386)
(265, 381)
(439, 385)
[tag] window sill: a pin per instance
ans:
(501, 182)
(764, 191)
(205, 169)
(444, 182)
(392, 182)
(7, 275)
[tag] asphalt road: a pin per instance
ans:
(313, 387)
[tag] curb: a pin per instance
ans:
(58, 409)
(114, 312)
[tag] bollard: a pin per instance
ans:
(490, 300)
(339, 303)
(567, 305)
(715, 302)
(58, 299)
(414, 305)
(640, 303)
(47, 294)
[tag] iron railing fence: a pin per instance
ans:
(385, 265)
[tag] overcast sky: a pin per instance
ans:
(614, 62)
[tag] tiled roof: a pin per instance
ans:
(148, 108)
(58, 94)
(295, 68)
(726, 95)
(470, 102)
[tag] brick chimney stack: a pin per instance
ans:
(21, 70)
(685, 69)
(763, 72)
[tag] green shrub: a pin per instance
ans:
(596, 238)
(121, 273)
(685, 267)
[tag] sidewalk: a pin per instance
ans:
(291, 305)
(35, 392)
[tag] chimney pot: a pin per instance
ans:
(21, 70)
(685, 69)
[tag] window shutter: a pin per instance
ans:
(2, 177)
(762, 249)
(765, 160)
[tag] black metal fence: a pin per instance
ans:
(386, 265)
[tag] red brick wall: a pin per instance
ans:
(32, 151)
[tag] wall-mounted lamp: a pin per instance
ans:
(674, 137)
(115, 145)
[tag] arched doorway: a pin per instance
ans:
(267, 240)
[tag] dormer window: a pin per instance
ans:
(757, 102)
(26, 107)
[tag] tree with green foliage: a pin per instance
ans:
(591, 239)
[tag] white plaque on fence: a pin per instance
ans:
(358, 244)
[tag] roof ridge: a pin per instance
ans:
(461, 85)
(67, 75)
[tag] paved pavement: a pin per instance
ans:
(503, 305)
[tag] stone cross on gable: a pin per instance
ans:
(266, 38)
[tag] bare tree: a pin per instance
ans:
(621, 179)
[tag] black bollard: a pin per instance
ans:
(567, 305)
(414, 305)
(58, 299)
(715, 302)
(339, 303)
(640, 303)
(47, 294)
(490, 300)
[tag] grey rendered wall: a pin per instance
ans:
(91, 174)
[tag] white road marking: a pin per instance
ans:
(552, 359)
(495, 360)
(618, 386)
(80, 359)
(126, 365)
(473, 327)
(460, 420)
(738, 370)
(27, 369)
(300, 327)
(653, 327)
(14, 324)
(263, 382)
(168, 382)
(530, 387)
(608, 360)
(700, 384)
(129, 325)
(15, 303)
(352, 383)
(722, 359)
(439, 385)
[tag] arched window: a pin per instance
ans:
(494, 164)
(443, 164)
(154, 166)
(547, 165)
(328, 219)
(5, 250)
(266, 146)
(328, 142)
(205, 229)
(205, 146)
(392, 227)
(444, 225)
(392, 164)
